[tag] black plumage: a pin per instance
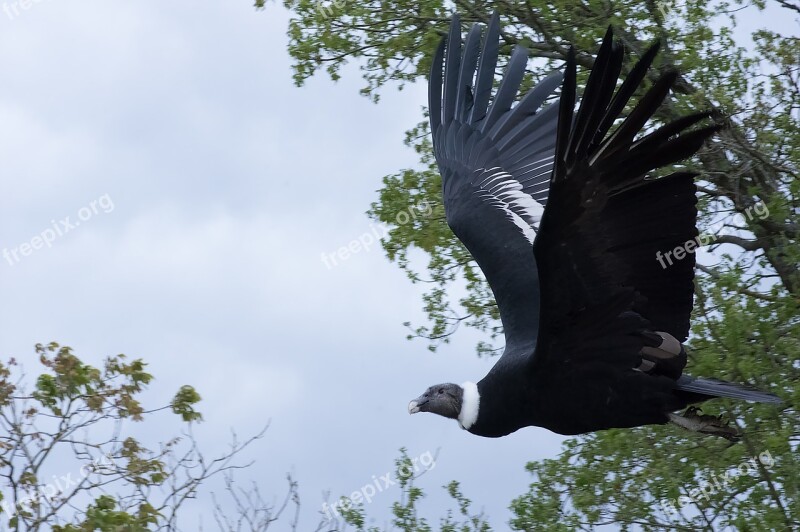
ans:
(564, 217)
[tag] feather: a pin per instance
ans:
(515, 71)
(451, 69)
(625, 92)
(486, 66)
(435, 89)
(720, 388)
(521, 120)
(465, 78)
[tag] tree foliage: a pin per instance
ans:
(69, 464)
(746, 325)
(406, 510)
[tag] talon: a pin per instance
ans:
(705, 424)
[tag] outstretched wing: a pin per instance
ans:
(496, 161)
(607, 223)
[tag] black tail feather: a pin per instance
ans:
(708, 388)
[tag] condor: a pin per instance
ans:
(566, 212)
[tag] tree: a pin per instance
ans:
(405, 511)
(746, 325)
(106, 482)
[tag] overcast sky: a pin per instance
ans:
(223, 185)
(206, 188)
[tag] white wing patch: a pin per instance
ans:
(501, 190)
(540, 180)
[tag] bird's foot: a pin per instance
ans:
(694, 420)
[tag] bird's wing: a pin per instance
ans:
(606, 222)
(496, 160)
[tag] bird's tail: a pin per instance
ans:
(709, 388)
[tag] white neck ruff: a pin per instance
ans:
(470, 404)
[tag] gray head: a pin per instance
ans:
(442, 399)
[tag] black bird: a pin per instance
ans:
(565, 218)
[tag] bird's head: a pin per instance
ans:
(442, 399)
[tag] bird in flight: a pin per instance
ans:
(566, 218)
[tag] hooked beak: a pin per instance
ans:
(414, 406)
